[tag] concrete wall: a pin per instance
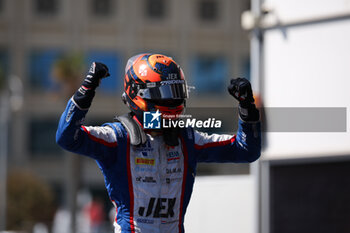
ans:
(222, 204)
(306, 65)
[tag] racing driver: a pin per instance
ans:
(149, 173)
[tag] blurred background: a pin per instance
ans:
(46, 47)
(296, 54)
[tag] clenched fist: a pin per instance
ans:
(241, 89)
(96, 72)
(86, 92)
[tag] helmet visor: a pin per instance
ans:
(171, 89)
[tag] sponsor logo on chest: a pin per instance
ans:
(158, 208)
(173, 157)
(146, 179)
(144, 161)
(174, 170)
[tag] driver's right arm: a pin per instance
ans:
(96, 142)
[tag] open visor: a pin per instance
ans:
(172, 89)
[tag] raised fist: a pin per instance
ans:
(96, 72)
(241, 90)
(86, 92)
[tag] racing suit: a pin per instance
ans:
(151, 185)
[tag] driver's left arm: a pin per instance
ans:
(244, 147)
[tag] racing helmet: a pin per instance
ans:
(154, 82)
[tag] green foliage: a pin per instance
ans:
(68, 71)
(29, 200)
(69, 66)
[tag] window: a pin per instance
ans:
(246, 68)
(58, 190)
(42, 133)
(247, 5)
(210, 72)
(113, 61)
(3, 67)
(208, 10)
(102, 7)
(155, 8)
(40, 70)
(46, 7)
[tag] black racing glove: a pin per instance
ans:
(86, 92)
(241, 90)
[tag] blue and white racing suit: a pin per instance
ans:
(151, 185)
